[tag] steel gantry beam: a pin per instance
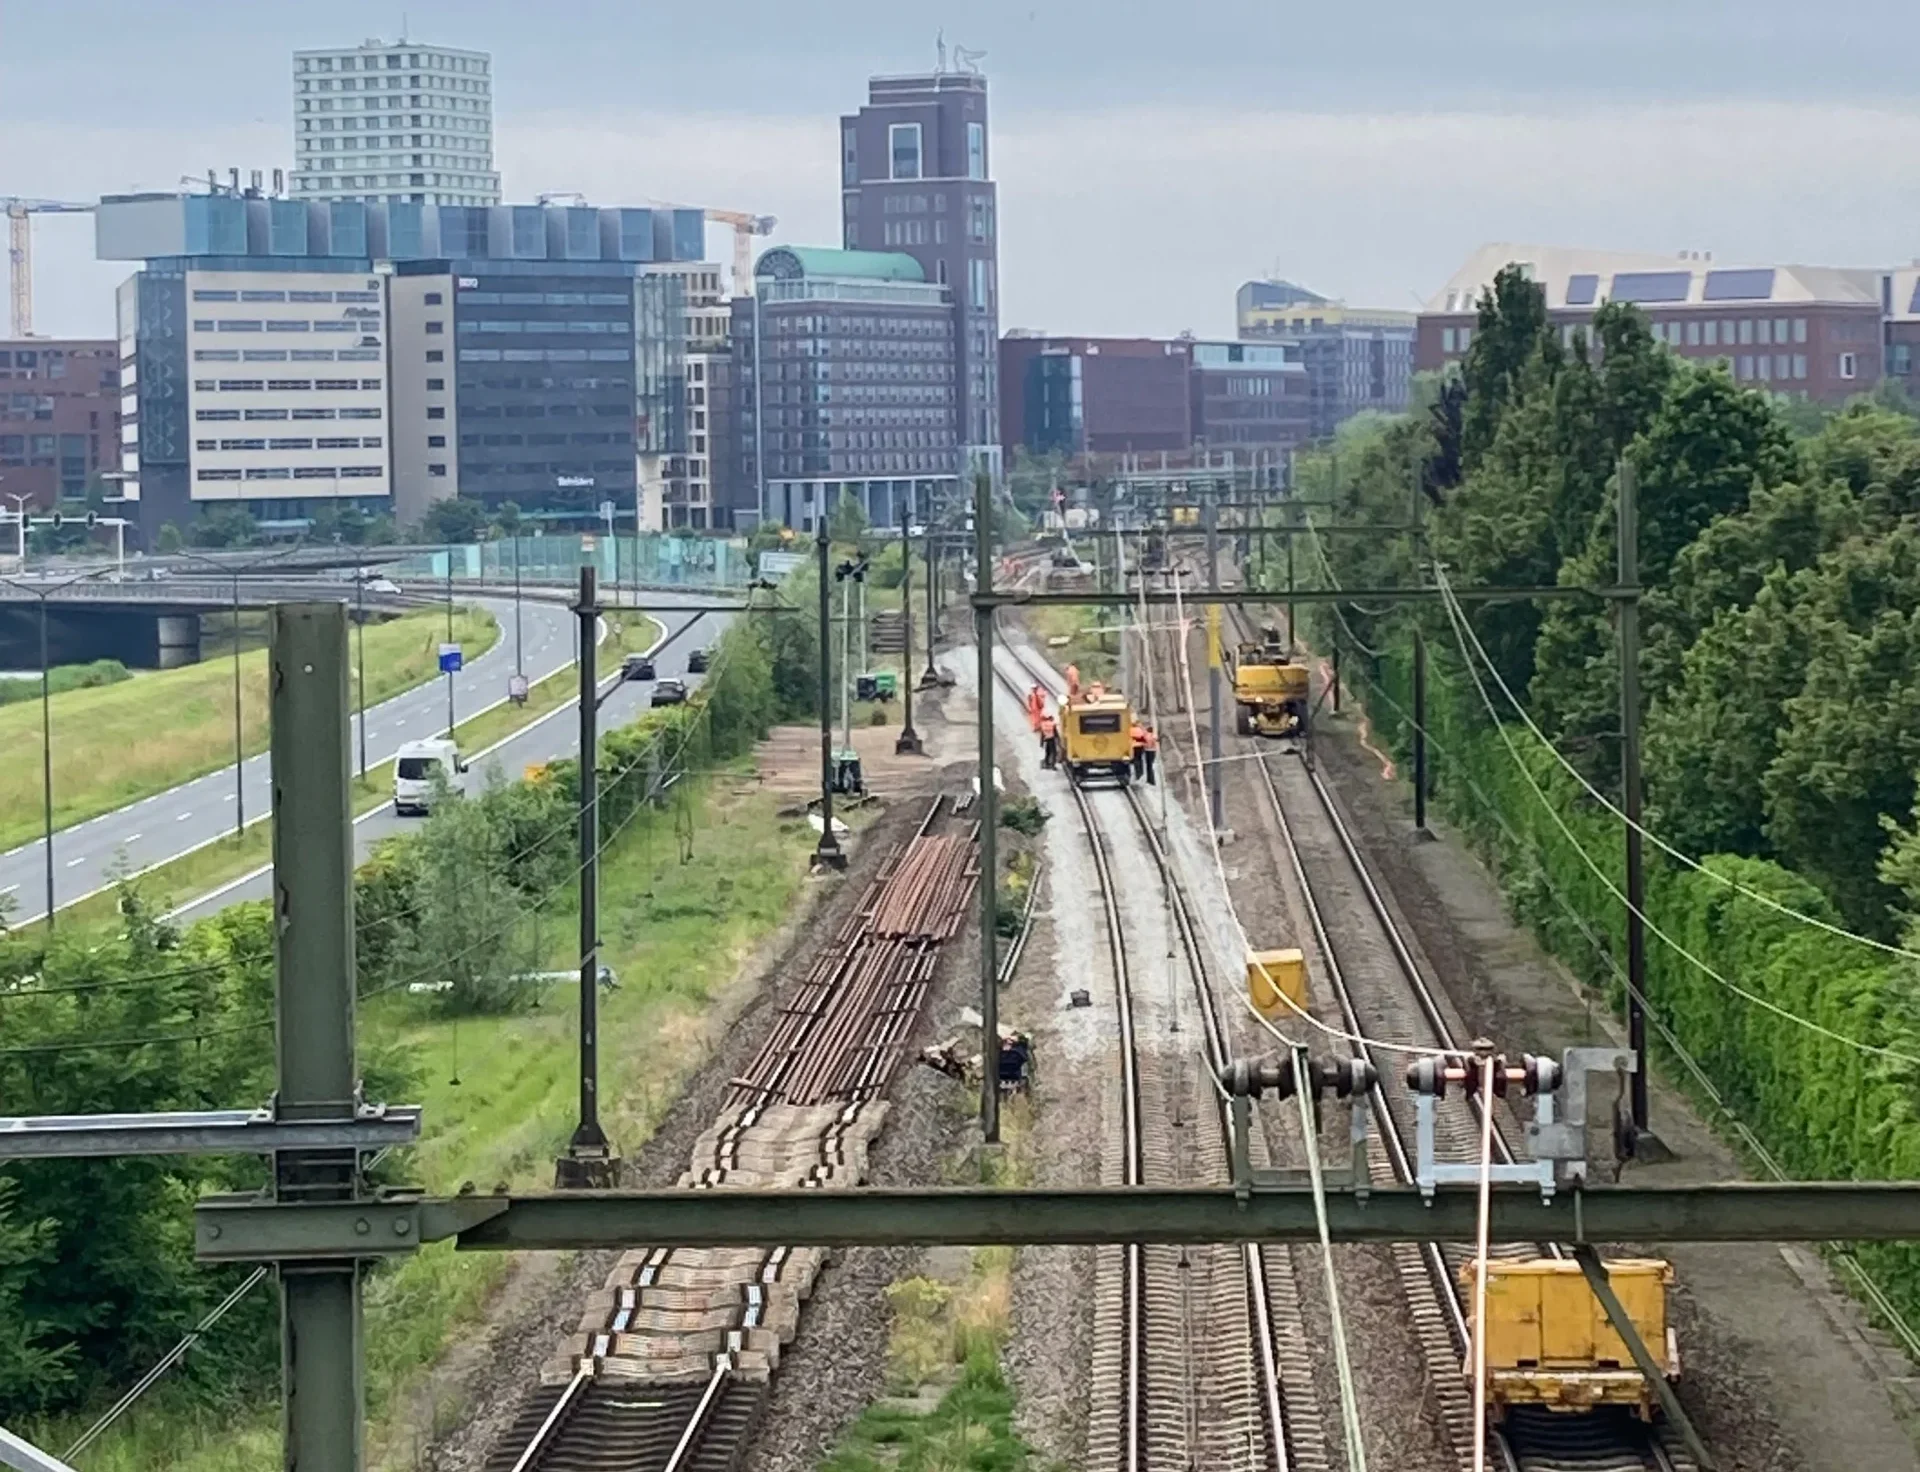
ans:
(1199, 597)
(250, 1229)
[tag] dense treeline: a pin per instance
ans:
(1781, 684)
(97, 1277)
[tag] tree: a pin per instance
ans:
(225, 526)
(848, 520)
(453, 519)
(168, 539)
(507, 518)
(1512, 322)
(34, 1366)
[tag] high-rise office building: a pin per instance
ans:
(915, 178)
(283, 356)
(401, 122)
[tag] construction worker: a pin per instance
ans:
(1139, 750)
(1036, 706)
(1073, 683)
(1049, 742)
(1149, 749)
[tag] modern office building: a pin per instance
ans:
(915, 178)
(846, 378)
(1250, 396)
(59, 418)
(486, 352)
(1817, 332)
(389, 123)
(514, 382)
(683, 480)
(1135, 397)
(1095, 395)
(1902, 304)
(1357, 358)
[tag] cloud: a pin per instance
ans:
(1144, 220)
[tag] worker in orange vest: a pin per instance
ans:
(1036, 706)
(1139, 750)
(1073, 682)
(1149, 749)
(1049, 742)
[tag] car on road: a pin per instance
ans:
(636, 667)
(696, 661)
(419, 770)
(382, 586)
(670, 692)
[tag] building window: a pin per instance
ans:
(436, 442)
(849, 158)
(1765, 363)
(437, 411)
(1693, 334)
(436, 469)
(1466, 337)
(1799, 329)
(1448, 337)
(436, 355)
(1849, 365)
(1744, 368)
(1780, 331)
(1765, 331)
(1746, 331)
(976, 150)
(435, 385)
(1712, 335)
(903, 141)
(1899, 359)
(436, 329)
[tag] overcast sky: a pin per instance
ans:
(1150, 156)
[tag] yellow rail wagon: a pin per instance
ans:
(1551, 1344)
(1270, 689)
(1096, 734)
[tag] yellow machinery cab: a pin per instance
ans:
(1276, 979)
(1550, 1343)
(1270, 690)
(1096, 737)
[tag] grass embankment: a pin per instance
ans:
(205, 869)
(500, 1095)
(119, 743)
(1093, 649)
(949, 1407)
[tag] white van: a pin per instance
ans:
(417, 767)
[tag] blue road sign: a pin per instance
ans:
(449, 658)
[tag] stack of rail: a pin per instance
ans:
(671, 1360)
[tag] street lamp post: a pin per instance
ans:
(908, 741)
(360, 658)
(826, 853)
(239, 747)
(449, 639)
(519, 666)
(46, 757)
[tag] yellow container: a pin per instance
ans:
(1274, 975)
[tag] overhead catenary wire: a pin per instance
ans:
(167, 1362)
(1749, 1139)
(151, 1040)
(1765, 1004)
(1233, 914)
(1759, 897)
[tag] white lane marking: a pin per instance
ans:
(9, 889)
(71, 863)
(227, 798)
(133, 838)
(182, 817)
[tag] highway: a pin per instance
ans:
(553, 735)
(88, 855)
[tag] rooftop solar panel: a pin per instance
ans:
(1740, 286)
(1651, 286)
(1581, 290)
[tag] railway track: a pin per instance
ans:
(670, 1365)
(1201, 1356)
(1382, 995)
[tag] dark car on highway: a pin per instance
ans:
(670, 692)
(636, 667)
(696, 661)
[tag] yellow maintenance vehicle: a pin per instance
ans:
(1269, 688)
(1551, 1345)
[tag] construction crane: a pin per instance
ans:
(745, 227)
(20, 250)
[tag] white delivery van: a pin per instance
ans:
(417, 767)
